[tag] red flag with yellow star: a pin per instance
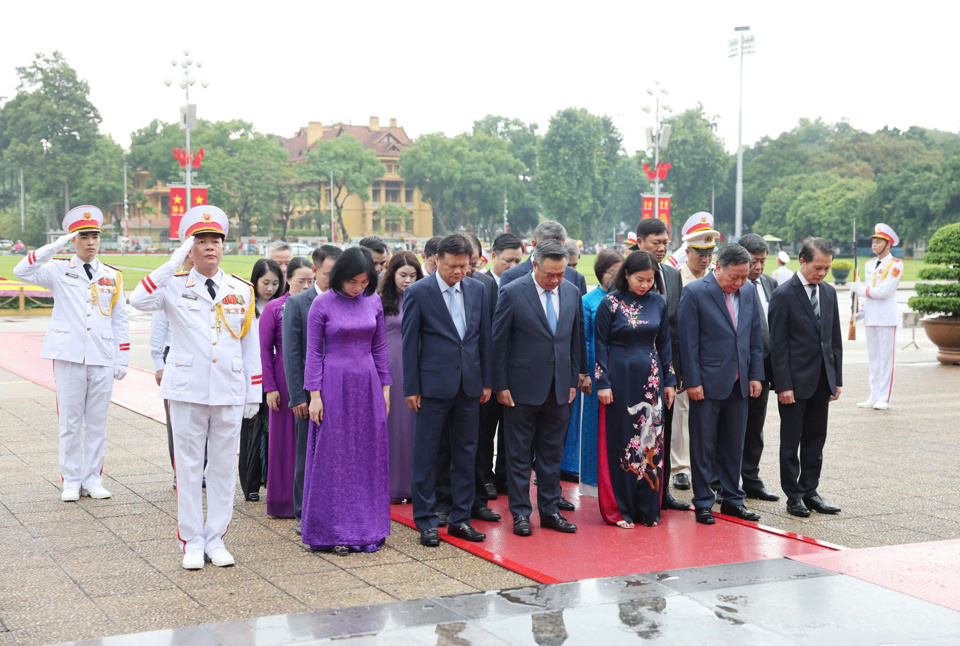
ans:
(178, 206)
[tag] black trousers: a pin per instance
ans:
(249, 465)
(444, 487)
(302, 430)
(538, 432)
(753, 440)
(491, 417)
(717, 427)
(457, 418)
(803, 429)
(667, 437)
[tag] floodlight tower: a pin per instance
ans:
(740, 46)
(188, 112)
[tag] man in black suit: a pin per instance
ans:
(295, 314)
(807, 357)
(753, 485)
(722, 348)
(536, 372)
(652, 236)
(446, 376)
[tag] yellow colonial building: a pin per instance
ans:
(363, 218)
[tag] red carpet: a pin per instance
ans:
(928, 571)
(599, 550)
(20, 354)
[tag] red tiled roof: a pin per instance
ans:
(376, 140)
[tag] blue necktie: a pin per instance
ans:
(455, 312)
(551, 313)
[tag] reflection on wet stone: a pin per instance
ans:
(449, 634)
(632, 615)
(549, 629)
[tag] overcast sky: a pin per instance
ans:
(438, 66)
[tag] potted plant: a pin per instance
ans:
(841, 269)
(941, 300)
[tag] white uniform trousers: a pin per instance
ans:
(83, 401)
(680, 440)
(216, 428)
(881, 345)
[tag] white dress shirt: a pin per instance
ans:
(807, 285)
(762, 295)
(543, 299)
(452, 291)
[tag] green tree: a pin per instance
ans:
(904, 200)
(524, 144)
(354, 169)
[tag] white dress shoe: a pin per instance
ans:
(220, 557)
(95, 492)
(867, 404)
(70, 494)
(881, 405)
(193, 560)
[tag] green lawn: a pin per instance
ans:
(136, 267)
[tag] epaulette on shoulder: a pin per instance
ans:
(244, 280)
(110, 266)
(895, 259)
(183, 273)
(67, 258)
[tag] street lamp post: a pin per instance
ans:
(740, 47)
(658, 136)
(188, 113)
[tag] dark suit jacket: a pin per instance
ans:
(769, 284)
(435, 359)
(674, 285)
(571, 275)
(527, 356)
(489, 289)
(296, 311)
(711, 348)
(799, 346)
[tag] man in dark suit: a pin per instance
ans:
(446, 376)
(652, 236)
(536, 372)
(764, 285)
(296, 311)
(721, 345)
(807, 357)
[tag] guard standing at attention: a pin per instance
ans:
(89, 342)
(878, 309)
(212, 377)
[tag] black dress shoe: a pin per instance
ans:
(681, 481)
(558, 523)
(442, 517)
(739, 511)
(761, 494)
(704, 516)
(485, 513)
(795, 507)
(253, 497)
(467, 533)
(299, 529)
(669, 502)
(430, 538)
(521, 525)
(492, 493)
(819, 505)
(565, 505)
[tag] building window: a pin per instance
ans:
(408, 196)
(393, 192)
(164, 235)
(375, 192)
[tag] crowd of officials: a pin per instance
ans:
(357, 379)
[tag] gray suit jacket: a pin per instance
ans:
(296, 311)
(528, 357)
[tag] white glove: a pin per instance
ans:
(181, 254)
(62, 241)
(119, 372)
(250, 410)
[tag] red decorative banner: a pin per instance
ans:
(179, 206)
(647, 211)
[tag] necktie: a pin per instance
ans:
(733, 316)
(456, 313)
(763, 311)
(212, 288)
(814, 303)
(89, 270)
(551, 312)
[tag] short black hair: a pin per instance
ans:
(298, 262)
(321, 253)
(811, 246)
(754, 244)
(733, 254)
(606, 259)
(260, 268)
(506, 241)
(353, 262)
(639, 260)
(650, 227)
(374, 243)
(475, 243)
(455, 245)
(431, 245)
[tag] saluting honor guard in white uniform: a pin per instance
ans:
(212, 377)
(878, 309)
(89, 342)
